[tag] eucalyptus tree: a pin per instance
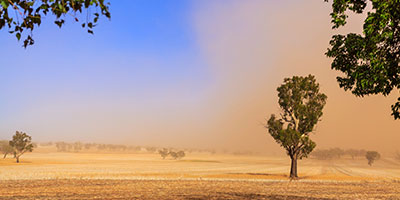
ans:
(371, 156)
(21, 143)
(164, 152)
(301, 105)
(369, 60)
(21, 17)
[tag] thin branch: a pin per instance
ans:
(17, 9)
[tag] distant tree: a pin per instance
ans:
(173, 154)
(101, 147)
(370, 61)
(337, 152)
(317, 154)
(181, 154)
(123, 147)
(110, 147)
(87, 146)
(61, 146)
(177, 155)
(352, 153)
(46, 144)
(151, 149)
(5, 148)
(137, 148)
(21, 143)
(163, 152)
(78, 146)
(301, 103)
(26, 15)
(69, 146)
(361, 153)
(372, 156)
(322, 154)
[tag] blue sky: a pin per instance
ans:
(147, 52)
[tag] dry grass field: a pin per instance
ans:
(48, 175)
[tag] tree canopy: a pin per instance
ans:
(301, 104)
(370, 60)
(23, 16)
(21, 143)
(371, 156)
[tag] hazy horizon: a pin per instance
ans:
(197, 74)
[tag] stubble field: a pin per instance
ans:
(47, 175)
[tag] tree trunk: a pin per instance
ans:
(293, 168)
(5, 155)
(17, 157)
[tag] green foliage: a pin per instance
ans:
(369, 61)
(21, 143)
(372, 156)
(301, 104)
(25, 15)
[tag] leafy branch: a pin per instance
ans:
(32, 11)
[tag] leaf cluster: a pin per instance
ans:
(295, 143)
(369, 61)
(22, 16)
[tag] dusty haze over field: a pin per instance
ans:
(246, 48)
(253, 45)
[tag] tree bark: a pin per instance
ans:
(293, 168)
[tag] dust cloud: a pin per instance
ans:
(253, 45)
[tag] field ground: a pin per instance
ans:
(46, 175)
